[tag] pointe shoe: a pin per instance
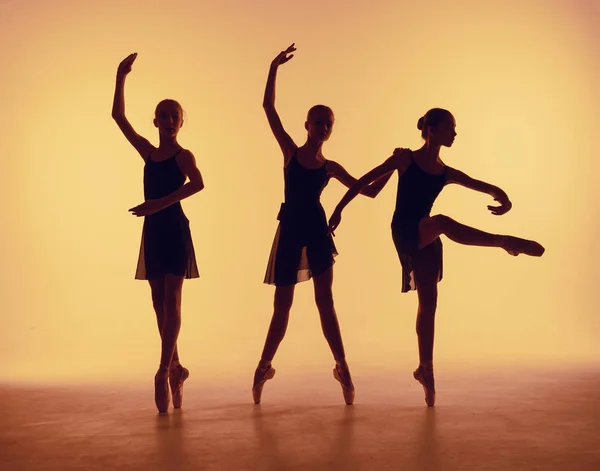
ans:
(516, 245)
(161, 392)
(261, 376)
(343, 376)
(177, 375)
(425, 376)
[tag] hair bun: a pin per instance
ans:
(420, 123)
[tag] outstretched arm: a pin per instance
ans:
(398, 161)
(140, 143)
(187, 164)
(286, 143)
(371, 190)
(461, 178)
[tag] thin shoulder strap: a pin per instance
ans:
(152, 152)
(292, 158)
(412, 158)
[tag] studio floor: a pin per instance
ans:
(483, 420)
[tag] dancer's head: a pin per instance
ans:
(168, 117)
(438, 127)
(319, 123)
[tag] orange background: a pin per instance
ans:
(521, 79)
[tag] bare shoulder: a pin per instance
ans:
(184, 155)
(402, 158)
(332, 167)
(454, 175)
(185, 160)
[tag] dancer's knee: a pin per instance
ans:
(428, 296)
(427, 309)
(324, 300)
(158, 305)
(442, 222)
(172, 306)
(158, 295)
(282, 302)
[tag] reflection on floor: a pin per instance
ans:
(519, 420)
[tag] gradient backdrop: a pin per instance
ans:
(520, 77)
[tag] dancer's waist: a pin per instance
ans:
(173, 210)
(300, 209)
(403, 217)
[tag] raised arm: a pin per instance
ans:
(288, 147)
(399, 160)
(140, 143)
(462, 179)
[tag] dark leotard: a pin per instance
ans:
(417, 191)
(166, 246)
(301, 247)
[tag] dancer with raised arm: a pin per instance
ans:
(302, 248)
(422, 176)
(166, 255)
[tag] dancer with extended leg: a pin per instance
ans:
(416, 234)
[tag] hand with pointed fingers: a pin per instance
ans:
(146, 208)
(125, 65)
(283, 57)
(334, 222)
(504, 207)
